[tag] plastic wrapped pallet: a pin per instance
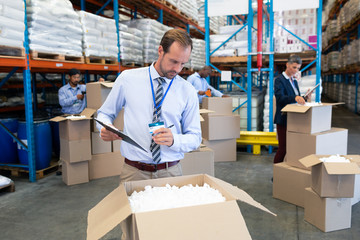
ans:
(12, 23)
(152, 33)
(54, 27)
(197, 59)
(266, 114)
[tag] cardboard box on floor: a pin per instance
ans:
(224, 150)
(289, 183)
(75, 150)
(327, 214)
(200, 161)
(98, 145)
(209, 221)
(299, 145)
(308, 119)
(220, 106)
(356, 197)
(218, 127)
(105, 165)
(75, 128)
(332, 179)
(118, 122)
(75, 173)
(96, 93)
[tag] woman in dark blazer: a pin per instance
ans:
(286, 92)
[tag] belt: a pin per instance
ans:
(150, 167)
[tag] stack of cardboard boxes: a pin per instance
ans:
(309, 132)
(75, 146)
(221, 128)
(328, 200)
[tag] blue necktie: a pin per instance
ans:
(155, 148)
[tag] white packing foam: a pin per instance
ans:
(158, 198)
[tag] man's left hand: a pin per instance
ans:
(163, 136)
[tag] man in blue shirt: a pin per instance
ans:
(198, 80)
(72, 95)
(136, 91)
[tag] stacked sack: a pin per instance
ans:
(12, 27)
(152, 31)
(54, 27)
(266, 127)
(197, 60)
(309, 132)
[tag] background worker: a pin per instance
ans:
(198, 80)
(286, 92)
(72, 95)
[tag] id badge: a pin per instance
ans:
(155, 126)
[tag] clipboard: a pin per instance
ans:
(317, 85)
(121, 134)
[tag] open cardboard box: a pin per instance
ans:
(309, 119)
(97, 92)
(209, 221)
(331, 179)
(75, 128)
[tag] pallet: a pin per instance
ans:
(101, 60)
(131, 64)
(12, 52)
(19, 171)
(169, 5)
(8, 188)
(44, 56)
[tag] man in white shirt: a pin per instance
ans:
(203, 88)
(136, 91)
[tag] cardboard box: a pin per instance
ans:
(218, 127)
(224, 150)
(209, 221)
(220, 106)
(327, 214)
(356, 197)
(118, 122)
(76, 150)
(200, 161)
(75, 128)
(75, 173)
(308, 119)
(299, 145)
(105, 165)
(330, 179)
(98, 145)
(289, 183)
(116, 146)
(96, 93)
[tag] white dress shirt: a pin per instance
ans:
(132, 90)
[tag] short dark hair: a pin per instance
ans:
(74, 71)
(294, 59)
(207, 68)
(175, 35)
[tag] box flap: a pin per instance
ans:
(201, 119)
(210, 221)
(203, 110)
(310, 160)
(108, 213)
(239, 194)
(58, 119)
(342, 168)
(296, 108)
(88, 112)
(107, 84)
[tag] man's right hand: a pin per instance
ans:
(300, 100)
(80, 96)
(106, 135)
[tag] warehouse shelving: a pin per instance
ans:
(156, 9)
(347, 33)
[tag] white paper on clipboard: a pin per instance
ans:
(317, 85)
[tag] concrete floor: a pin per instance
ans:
(48, 209)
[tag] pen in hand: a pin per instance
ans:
(171, 126)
